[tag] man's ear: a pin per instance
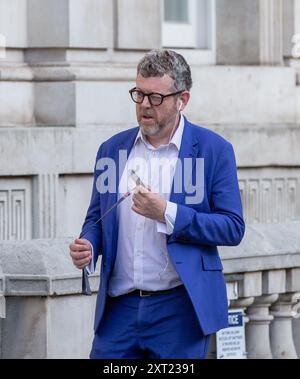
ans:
(184, 99)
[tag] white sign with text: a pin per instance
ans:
(231, 341)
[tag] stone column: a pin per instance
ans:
(249, 32)
(243, 303)
(2, 298)
(257, 329)
(16, 97)
(282, 343)
(292, 44)
(292, 38)
(61, 32)
(139, 24)
(289, 18)
(2, 307)
(271, 31)
(296, 13)
(45, 206)
(13, 21)
(293, 285)
(67, 24)
(232, 283)
(249, 288)
(296, 327)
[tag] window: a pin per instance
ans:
(176, 11)
(188, 24)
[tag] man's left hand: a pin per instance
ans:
(149, 204)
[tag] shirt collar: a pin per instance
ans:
(176, 139)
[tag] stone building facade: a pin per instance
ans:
(65, 70)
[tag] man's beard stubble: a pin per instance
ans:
(151, 131)
(154, 130)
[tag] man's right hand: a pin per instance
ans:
(81, 253)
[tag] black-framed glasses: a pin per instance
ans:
(155, 99)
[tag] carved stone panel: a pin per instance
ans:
(15, 209)
(270, 195)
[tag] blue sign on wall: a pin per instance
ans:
(235, 319)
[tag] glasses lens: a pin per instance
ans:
(156, 99)
(137, 96)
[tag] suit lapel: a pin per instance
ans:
(111, 220)
(184, 174)
(125, 146)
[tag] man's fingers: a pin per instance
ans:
(136, 201)
(141, 190)
(81, 267)
(77, 247)
(82, 262)
(136, 210)
(82, 242)
(81, 253)
(76, 255)
(139, 197)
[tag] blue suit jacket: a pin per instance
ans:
(198, 230)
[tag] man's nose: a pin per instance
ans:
(146, 103)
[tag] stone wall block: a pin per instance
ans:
(13, 22)
(139, 24)
(274, 281)
(251, 285)
(55, 103)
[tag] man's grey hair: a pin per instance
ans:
(161, 62)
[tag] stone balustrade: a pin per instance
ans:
(266, 271)
(2, 306)
(270, 317)
(47, 317)
(2, 299)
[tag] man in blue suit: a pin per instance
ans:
(162, 291)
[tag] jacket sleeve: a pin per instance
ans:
(224, 225)
(91, 231)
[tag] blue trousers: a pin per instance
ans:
(156, 327)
